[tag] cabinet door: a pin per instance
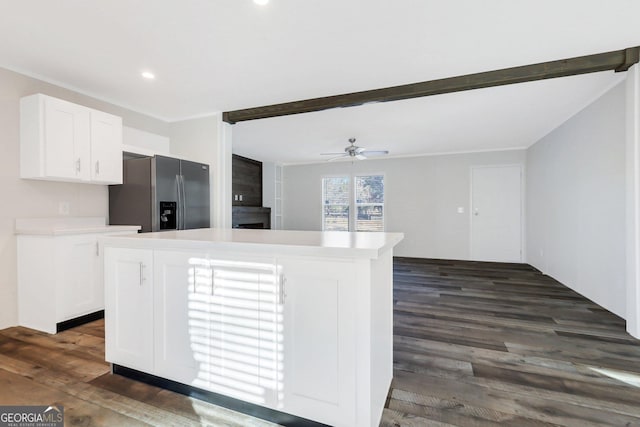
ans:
(106, 148)
(182, 350)
(216, 323)
(129, 307)
(66, 140)
(318, 346)
(80, 286)
(244, 328)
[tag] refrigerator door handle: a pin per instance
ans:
(184, 203)
(179, 209)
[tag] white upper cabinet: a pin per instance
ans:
(54, 139)
(62, 141)
(106, 151)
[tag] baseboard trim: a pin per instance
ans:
(237, 405)
(72, 323)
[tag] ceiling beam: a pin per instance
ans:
(619, 60)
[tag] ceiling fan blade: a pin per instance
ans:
(360, 149)
(331, 154)
(375, 152)
(338, 157)
(360, 157)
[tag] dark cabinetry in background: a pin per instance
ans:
(246, 181)
(247, 194)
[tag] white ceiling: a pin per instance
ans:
(505, 117)
(219, 55)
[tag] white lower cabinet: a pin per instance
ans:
(318, 346)
(216, 323)
(59, 278)
(81, 273)
(129, 307)
(182, 328)
(277, 332)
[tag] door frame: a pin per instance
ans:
(520, 166)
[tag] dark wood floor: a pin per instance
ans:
(485, 344)
(476, 344)
(69, 369)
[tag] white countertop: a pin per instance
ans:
(67, 226)
(320, 243)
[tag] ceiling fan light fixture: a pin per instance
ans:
(355, 152)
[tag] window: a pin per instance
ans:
(360, 209)
(369, 203)
(335, 196)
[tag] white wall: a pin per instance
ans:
(29, 199)
(576, 202)
(195, 139)
(144, 143)
(422, 195)
(632, 231)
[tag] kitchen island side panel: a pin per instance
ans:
(381, 332)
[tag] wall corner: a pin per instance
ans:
(633, 200)
(221, 207)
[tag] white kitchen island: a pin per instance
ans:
(295, 323)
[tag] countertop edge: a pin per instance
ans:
(256, 247)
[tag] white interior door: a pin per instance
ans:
(496, 213)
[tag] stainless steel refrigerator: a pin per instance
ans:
(161, 193)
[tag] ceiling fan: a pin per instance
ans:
(355, 152)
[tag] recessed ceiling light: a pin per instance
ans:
(148, 75)
(261, 2)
